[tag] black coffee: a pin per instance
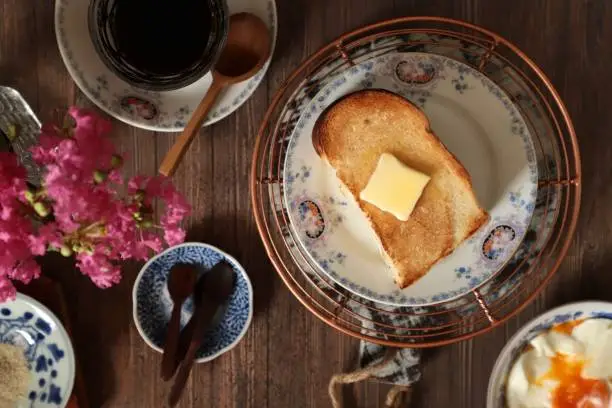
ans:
(161, 37)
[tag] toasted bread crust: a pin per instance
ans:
(353, 133)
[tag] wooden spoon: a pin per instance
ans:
(213, 289)
(246, 51)
(180, 285)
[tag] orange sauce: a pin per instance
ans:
(572, 388)
(567, 327)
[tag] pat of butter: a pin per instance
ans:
(394, 187)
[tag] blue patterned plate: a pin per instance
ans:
(476, 121)
(511, 351)
(158, 111)
(153, 305)
(28, 324)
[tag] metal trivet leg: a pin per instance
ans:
(565, 182)
(344, 54)
(484, 307)
(269, 180)
(487, 56)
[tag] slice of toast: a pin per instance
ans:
(353, 133)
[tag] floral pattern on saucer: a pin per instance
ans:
(160, 111)
(29, 325)
(458, 101)
(317, 216)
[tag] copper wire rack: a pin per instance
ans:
(548, 236)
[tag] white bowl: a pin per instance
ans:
(580, 310)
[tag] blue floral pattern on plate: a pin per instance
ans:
(28, 324)
(153, 305)
(496, 394)
(508, 184)
(134, 105)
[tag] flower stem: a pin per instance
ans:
(88, 228)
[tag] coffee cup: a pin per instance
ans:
(159, 45)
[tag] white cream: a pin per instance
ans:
(520, 393)
(530, 386)
(550, 343)
(596, 335)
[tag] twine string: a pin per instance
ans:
(397, 395)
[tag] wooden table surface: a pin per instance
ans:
(288, 355)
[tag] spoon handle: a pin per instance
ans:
(180, 146)
(183, 344)
(171, 343)
(202, 316)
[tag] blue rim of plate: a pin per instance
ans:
(238, 268)
(145, 109)
(417, 93)
(39, 324)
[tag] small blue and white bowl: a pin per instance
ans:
(581, 310)
(152, 304)
(29, 325)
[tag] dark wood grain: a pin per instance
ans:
(288, 356)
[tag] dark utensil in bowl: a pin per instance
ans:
(159, 45)
(181, 283)
(212, 290)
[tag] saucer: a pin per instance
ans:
(26, 323)
(152, 304)
(477, 122)
(158, 111)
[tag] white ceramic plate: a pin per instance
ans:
(26, 323)
(513, 348)
(476, 121)
(158, 111)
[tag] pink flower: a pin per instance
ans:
(114, 176)
(48, 139)
(81, 208)
(12, 177)
(7, 290)
(48, 235)
(177, 207)
(174, 235)
(90, 134)
(99, 268)
(16, 257)
(148, 244)
(25, 271)
(37, 244)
